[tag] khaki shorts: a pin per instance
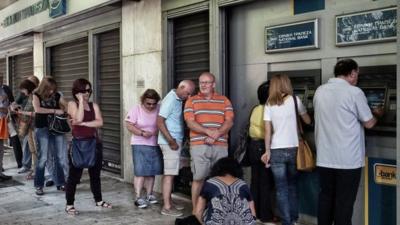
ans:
(204, 157)
(172, 159)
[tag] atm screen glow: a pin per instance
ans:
(375, 96)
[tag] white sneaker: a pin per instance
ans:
(151, 199)
(141, 203)
(23, 170)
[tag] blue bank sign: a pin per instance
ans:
(293, 36)
(57, 8)
(365, 27)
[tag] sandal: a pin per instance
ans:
(70, 210)
(30, 176)
(104, 204)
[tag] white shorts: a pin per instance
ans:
(171, 159)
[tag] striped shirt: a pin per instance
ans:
(210, 113)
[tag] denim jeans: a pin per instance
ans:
(48, 142)
(51, 157)
(283, 167)
(27, 156)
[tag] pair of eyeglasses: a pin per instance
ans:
(86, 91)
(206, 82)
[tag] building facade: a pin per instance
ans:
(126, 46)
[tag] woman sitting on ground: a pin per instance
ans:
(86, 118)
(225, 198)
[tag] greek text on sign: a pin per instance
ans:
(385, 174)
(292, 36)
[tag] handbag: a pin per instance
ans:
(24, 125)
(83, 152)
(3, 128)
(58, 124)
(305, 160)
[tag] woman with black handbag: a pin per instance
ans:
(262, 183)
(86, 118)
(47, 102)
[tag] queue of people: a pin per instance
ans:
(219, 195)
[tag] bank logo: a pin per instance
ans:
(57, 8)
(385, 174)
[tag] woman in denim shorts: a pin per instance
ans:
(141, 121)
(281, 144)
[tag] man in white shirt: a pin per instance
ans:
(341, 113)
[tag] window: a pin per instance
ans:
(304, 6)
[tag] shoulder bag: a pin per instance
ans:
(305, 160)
(83, 150)
(58, 124)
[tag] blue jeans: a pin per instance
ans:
(48, 142)
(283, 167)
(27, 156)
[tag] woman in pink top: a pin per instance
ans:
(141, 121)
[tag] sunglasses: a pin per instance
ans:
(150, 103)
(86, 91)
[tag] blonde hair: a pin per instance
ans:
(46, 85)
(280, 86)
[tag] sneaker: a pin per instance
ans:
(171, 212)
(151, 199)
(178, 206)
(23, 170)
(39, 191)
(141, 203)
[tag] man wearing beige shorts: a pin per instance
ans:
(170, 124)
(209, 116)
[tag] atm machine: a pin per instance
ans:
(379, 186)
(305, 83)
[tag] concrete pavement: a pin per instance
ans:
(20, 205)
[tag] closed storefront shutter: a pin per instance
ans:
(191, 46)
(69, 61)
(3, 70)
(21, 66)
(109, 97)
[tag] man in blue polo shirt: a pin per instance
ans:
(170, 124)
(341, 114)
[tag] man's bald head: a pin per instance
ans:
(185, 89)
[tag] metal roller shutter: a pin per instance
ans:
(21, 67)
(3, 70)
(191, 46)
(109, 97)
(69, 61)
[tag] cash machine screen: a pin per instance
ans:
(375, 97)
(300, 93)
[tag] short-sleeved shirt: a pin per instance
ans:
(209, 113)
(284, 122)
(144, 120)
(171, 110)
(227, 204)
(257, 124)
(339, 111)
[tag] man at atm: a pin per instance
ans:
(341, 113)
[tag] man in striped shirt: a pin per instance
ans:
(209, 116)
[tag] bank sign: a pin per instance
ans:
(56, 8)
(365, 27)
(293, 36)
